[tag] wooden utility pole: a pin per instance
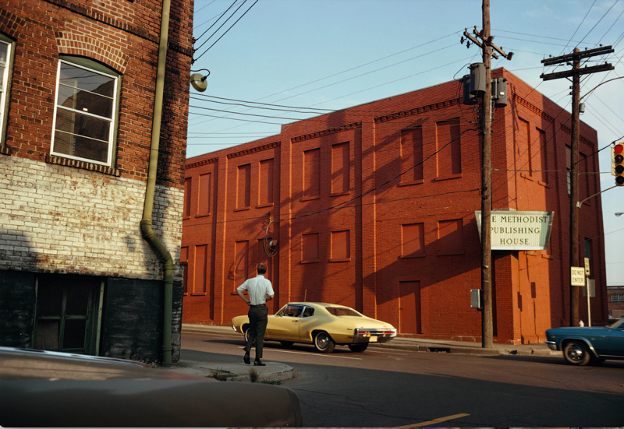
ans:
(575, 73)
(487, 324)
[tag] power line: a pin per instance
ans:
(202, 35)
(226, 31)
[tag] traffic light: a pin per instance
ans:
(617, 162)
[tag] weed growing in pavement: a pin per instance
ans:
(273, 382)
(220, 374)
(253, 375)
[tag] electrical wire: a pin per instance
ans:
(202, 35)
(221, 26)
(226, 31)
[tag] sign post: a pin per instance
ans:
(577, 278)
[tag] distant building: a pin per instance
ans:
(77, 100)
(616, 301)
(374, 207)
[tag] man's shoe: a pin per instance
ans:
(258, 362)
(246, 358)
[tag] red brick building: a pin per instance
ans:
(78, 98)
(373, 207)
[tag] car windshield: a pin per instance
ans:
(342, 311)
(618, 323)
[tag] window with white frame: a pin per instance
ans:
(85, 111)
(617, 297)
(5, 66)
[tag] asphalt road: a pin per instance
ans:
(391, 388)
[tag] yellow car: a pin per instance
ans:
(323, 325)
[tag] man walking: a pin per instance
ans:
(260, 291)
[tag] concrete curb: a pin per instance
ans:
(412, 344)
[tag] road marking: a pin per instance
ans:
(309, 354)
(388, 351)
(433, 422)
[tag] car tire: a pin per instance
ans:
(576, 353)
(246, 334)
(324, 343)
(358, 348)
(287, 343)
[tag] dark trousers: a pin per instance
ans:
(258, 319)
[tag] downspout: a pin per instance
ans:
(146, 223)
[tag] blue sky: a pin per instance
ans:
(333, 54)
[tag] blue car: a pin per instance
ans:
(582, 345)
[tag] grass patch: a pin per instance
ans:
(253, 375)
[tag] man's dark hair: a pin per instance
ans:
(262, 268)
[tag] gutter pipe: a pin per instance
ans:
(146, 222)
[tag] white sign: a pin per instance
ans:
(577, 276)
(519, 230)
(586, 266)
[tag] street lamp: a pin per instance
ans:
(198, 81)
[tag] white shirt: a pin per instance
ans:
(258, 288)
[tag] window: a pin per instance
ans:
(542, 156)
(203, 195)
(201, 270)
(266, 182)
(340, 176)
(6, 50)
(413, 240)
(68, 314)
(617, 297)
(85, 111)
(243, 189)
(312, 173)
(449, 149)
(340, 246)
(309, 247)
(411, 156)
(184, 265)
(186, 211)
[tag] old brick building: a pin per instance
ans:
(78, 99)
(374, 207)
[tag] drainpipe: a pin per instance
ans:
(146, 223)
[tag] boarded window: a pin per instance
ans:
(310, 247)
(312, 173)
(584, 178)
(201, 267)
(203, 195)
(340, 245)
(569, 168)
(411, 155)
(266, 182)
(184, 264)
(187, 197)
(241, 263)
(413, 240)
(449, 148)
(523, 155)
(451, 237)
(243, 189)
(340, 169)
(541, 157)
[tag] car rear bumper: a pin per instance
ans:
(373, 335)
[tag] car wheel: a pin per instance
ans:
(576, 353)
(246, 334)
(358, 347)
(324, 343)
(287, 343)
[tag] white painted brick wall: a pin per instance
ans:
(60, 219)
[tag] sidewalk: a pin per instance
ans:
(275, 371)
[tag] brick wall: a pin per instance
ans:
(51, 221)
(426, 294)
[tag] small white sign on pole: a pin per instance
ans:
(577, 276)
(587, 266)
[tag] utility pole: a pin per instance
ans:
(575, 73)
(487, 325)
